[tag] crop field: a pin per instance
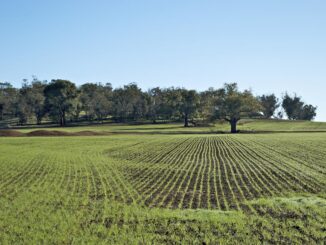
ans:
(164, 189)
(217, 172)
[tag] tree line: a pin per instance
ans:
(61, 101)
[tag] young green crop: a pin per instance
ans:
(163, 189)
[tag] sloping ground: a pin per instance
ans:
(63, 133)
(11, 133)
(245, 126)
(148, 188)
(49, 133)
(281, 125)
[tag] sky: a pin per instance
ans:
(269, 46)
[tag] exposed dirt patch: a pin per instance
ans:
(10, 133)
(47, 133)
(89, 133)
(63, 133)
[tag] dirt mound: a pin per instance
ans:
(48, 133)
(63, 133)
(89, 133)
(10, 133)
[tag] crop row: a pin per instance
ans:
(210, 172)
(213, 172)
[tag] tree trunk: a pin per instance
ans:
(38, 120)
(233, 123)
(61, 122)
(186, 121)
(154, 119)
(62, 119)
(1, 112)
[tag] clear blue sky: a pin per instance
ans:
(269, 46)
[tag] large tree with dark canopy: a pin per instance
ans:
(23, 105)
(269, 104)
(96, 100)
(292, 106)
(155, 98)
(308, 112)
(171, 103)
(59, 99)
(296, 109)
(8, 99)
(233, 104)
(37, 99)
(31, 100)
(129, 103)
(189, 104)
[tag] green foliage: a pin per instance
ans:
(60, 96)
(61, 101)
(232, 104)
(208, 101)
(269, 104)
(189, 104)
(95, 100)
(30, 101)
(308, 112)
(128, 102)
(296, 109)
(154, 99)
(8, 96)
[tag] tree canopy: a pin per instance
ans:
(233, 104)
(269, 104)
(61, 101)
(296, 109)
(60, 96)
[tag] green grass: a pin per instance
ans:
(281, 125)
(158, 188)
(245, 125)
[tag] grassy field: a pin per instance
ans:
(156, 188)
(246, 126)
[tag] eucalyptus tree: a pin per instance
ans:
(129, 103)
(60, 96)
(154, 98)
(8, 98)
(96, 100)
(189, 104)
